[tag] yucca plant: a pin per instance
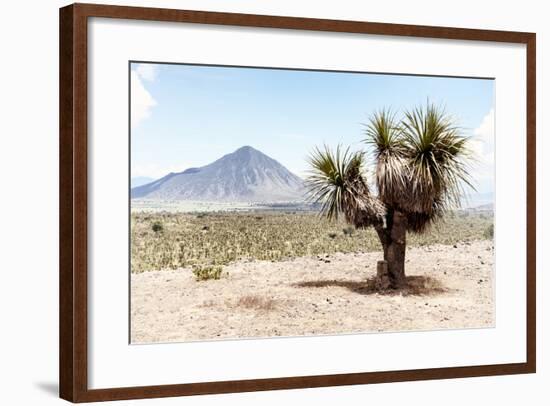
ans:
(421, 169)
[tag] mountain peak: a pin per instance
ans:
(245, 175)
(246, 156)
(246, 149)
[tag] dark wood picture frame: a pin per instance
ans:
(73, 333)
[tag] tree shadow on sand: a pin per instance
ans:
(415, 286)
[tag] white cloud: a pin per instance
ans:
(147, 71)
(486, 129)
(142, 102)
(483, 146)
(483, 143)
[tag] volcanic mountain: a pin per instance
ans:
(246, 175)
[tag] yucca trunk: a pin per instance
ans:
(394, 242)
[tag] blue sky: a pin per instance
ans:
(185, 116)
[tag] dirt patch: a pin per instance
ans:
(447, 287)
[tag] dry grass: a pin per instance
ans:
(250, 302)
(256, 303)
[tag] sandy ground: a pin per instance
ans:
(450, 287)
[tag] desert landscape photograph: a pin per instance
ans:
(271, 202)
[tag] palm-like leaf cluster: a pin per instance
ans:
(421, 170)
(336, 180)
(384, 136)
(437, 157)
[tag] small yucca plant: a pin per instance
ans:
(157, 227)
(207, 272)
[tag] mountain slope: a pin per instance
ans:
(140, 180)
(246, 175)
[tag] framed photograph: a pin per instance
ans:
(256, 202)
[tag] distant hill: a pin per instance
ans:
(483, 207)
(246, 175)
(140, 180)
(478, 200)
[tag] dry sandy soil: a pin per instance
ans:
(449, 287)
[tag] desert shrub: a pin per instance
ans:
(348, 230)
(204, 273)
(489, 231)
(157, 226)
